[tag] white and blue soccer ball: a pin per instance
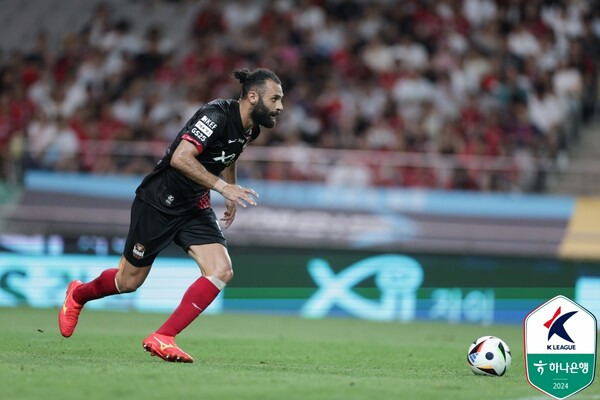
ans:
(489, 355)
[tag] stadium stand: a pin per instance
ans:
(472, 95)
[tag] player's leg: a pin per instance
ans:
(124, 279)
(215, 264)
(204, 242)
(148, 226)
(216, 268)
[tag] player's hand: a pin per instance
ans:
(240, 195)
(229, 216)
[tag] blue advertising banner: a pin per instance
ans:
(324, 283)
(41, 281)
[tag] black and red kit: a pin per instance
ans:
(169, 206)
(217, 132)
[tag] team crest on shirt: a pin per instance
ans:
(138, 250)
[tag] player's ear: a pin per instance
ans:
(253, 97)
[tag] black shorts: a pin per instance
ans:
(151, 231)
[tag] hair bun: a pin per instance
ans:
(241, 75)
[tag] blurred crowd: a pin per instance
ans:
(466, 79)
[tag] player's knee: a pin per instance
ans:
(224, 273)
(228, 276)
(128, 284)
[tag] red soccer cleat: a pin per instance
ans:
(69, 312)
(164, 347)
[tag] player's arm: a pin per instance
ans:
(229, 176)
(230, 173)
(184, 160)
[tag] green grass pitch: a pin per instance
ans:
(252, 357)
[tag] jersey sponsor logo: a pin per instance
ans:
(225, 159)
(203, 128)
(209, 122)
(138, 250)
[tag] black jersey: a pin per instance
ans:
(217, 132)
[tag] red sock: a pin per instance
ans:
(104, 285)
(195, 300)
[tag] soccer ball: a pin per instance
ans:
(489, 355)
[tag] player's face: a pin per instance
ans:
(268, 106)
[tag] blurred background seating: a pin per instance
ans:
(461, 94)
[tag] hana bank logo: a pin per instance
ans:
(396, 276)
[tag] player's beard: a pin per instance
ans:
(261, 115)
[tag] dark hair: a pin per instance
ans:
(255, 78)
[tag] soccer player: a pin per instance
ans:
(172, 204)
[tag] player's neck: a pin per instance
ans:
(245, 108)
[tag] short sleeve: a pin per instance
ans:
(205, 127)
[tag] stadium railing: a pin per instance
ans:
(361, 168)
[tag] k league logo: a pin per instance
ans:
(560, 347)
(556, 326)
